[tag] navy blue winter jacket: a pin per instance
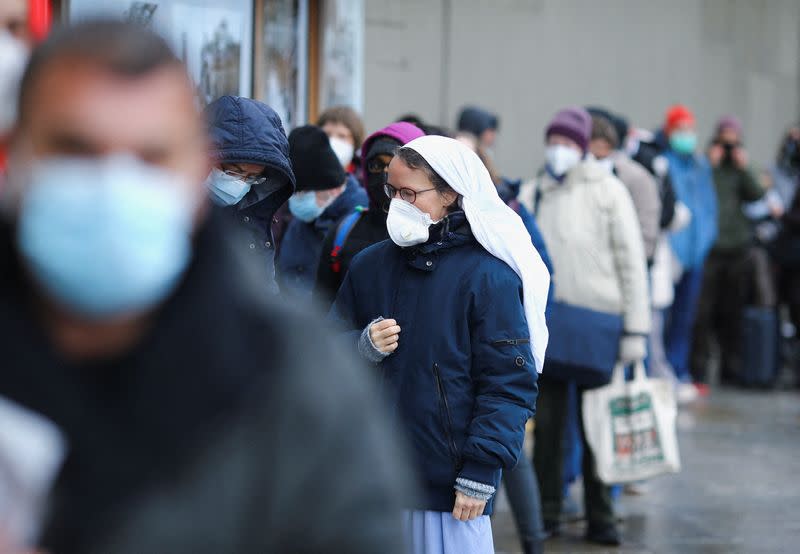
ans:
(248, 131)
(462, 382)
(301, 248)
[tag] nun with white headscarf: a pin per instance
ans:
(451, 312)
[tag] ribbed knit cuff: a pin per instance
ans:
(367, 348)
(474, 489)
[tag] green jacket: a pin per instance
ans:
(735, 187)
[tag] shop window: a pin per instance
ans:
(214, 40)
(298, 56)
(282, 58)
(341, 53)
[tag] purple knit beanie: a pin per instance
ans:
(574, 123)
(729, 122)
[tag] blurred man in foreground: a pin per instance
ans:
(128, 321)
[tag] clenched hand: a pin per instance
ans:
(384, 335)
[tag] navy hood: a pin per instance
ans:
(247, 131)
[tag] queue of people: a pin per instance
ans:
(159, 269)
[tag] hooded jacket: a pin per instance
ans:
(592, 234)
(368, 230)
(302, 244)
(694, 187)
(248, 131)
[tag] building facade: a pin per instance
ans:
(524, 59)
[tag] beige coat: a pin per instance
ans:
(646, 199)
(593, 237)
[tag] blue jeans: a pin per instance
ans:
(680, 324)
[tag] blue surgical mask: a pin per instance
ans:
(304, 207)
(683, 142)
(226, 190)
(105, 236)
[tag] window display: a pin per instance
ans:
(215, 42)
(342, 47)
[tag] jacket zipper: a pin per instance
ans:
(448, 422)
(510, 342)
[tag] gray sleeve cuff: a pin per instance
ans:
(474, 489)
(367, 348)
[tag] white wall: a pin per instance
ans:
(524, 59)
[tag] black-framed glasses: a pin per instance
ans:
(252, 180)
(408, 195)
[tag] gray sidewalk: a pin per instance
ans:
(739, 491)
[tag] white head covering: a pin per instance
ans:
(495, 226)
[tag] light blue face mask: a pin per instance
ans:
(304, 207)
(105, 236)
(683, 142)
(226, 190)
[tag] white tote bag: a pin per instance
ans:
(630, 427)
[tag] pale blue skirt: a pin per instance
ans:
(440, 533)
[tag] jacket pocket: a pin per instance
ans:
(510, 342)
(447, 421)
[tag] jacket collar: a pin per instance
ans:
(508, 189)
(340, 207)
(587, 171)
(682, 160)
(261, 193)
(451, 232)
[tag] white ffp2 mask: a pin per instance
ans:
(407, 224)
(560, 158)
(343, 149)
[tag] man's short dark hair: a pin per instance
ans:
(603, 129)
(123, 49)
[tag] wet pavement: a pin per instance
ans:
(738, 492)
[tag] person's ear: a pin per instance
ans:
(449, 198)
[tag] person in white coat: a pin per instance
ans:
(590, 225)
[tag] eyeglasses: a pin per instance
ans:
(252, 180)
(408, 195)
